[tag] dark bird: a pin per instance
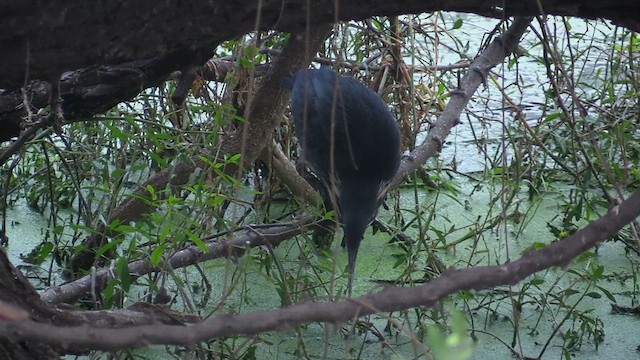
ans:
(350, 140)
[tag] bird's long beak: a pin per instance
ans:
(352, 254)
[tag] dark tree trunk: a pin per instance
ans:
(16, 293)
(144, 41)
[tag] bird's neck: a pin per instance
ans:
(358, 205)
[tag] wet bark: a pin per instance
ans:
(17, 296)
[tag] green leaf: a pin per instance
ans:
(198, 241)
(123, 272)
(457, 345)
(537, 281)
(156, 255)
(608, 294)
(45, 250)
(106, 248)
(246, 63)
(553, 116)
(117, 133)
(538, 245)
(251, 51)
(152, 192)
(569, 292)
(597, 272)
(594, 295)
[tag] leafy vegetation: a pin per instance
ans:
(547, 146)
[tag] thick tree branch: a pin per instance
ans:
(91, 90)
(122, 48)
(47, 39)
(389, 299)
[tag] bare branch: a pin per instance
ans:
(188, 256)
(493, 55)
(389, 299)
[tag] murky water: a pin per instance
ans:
(25, 229)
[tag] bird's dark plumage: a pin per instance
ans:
(351, 142)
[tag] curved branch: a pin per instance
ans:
(50, 38)
(389, 299)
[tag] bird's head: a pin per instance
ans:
(358, 203)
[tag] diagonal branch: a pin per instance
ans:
(190, 255)
(493, 55)
(389, 299)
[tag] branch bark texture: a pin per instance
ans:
(389, 299)
(47, 39)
